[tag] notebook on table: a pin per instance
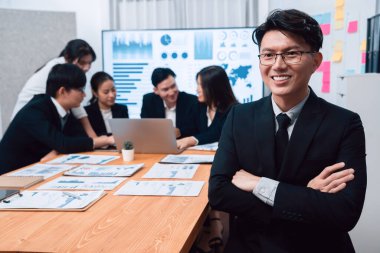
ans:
(155, 136)
(19, 182)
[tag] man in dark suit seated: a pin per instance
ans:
(45, 124)
(283, 168)
(166, 101)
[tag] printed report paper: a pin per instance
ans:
(206, 147)
(51, 199)
(44, 170)
(188, 159)
(161, 188)
(88, 170)
(84, 159)
(158, 170)
(83, 183)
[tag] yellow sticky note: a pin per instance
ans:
(363, 45)
(337, 56)
(339, 24)
(339, 13)
(338, 45)
(339, 3)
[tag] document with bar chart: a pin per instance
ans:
(131, 56)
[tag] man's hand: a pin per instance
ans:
(177, 132)
(103, 140)
(245, 181)
(186, 142)
(331, 181)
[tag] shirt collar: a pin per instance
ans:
(167, 108)
(293, 112)
(61, 111)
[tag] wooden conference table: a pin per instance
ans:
(114, 223)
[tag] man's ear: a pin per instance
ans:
(61, 91)
(155, 90)
(318, 57)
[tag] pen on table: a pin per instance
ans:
(71, 195)
(8, 200)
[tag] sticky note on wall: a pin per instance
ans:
(325, 29)
(339, 13)
(338, 51)
(363, 45)
(352, 26)
(339, 3)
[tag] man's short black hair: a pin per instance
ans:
(293, 21)
(65, 75)
(160, 74)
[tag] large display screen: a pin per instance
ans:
(131, 56)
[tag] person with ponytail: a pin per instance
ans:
(77, 52)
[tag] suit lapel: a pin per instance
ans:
(304, 130)
(264, 134)
(55, 118)
(160, 109)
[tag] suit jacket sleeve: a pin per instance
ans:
(223, 195)
(341, 210)
(338, 136)
(40, 127)
(146, 106)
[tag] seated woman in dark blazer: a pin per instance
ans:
(216, 99)
(102, 105)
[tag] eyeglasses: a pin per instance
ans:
(291, 57)
(82, 89)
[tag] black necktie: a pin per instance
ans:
(64, 120)
(282, 138)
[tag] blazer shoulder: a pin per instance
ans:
(149, 96)
(91, 107)
(263, 103)
(186, 96)
(119, 111)
(120, 107)
(336, 110)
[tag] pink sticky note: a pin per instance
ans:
(326, 87)
(363, 57)
(321, 67)
(325, 29)
(326, 77)
(352, 26)
(327, 65)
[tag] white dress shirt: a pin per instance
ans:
(266, 188)
(36, 84)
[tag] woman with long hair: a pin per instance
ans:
(216, 99)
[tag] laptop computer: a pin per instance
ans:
(154, 136)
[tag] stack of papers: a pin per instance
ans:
(104, 170)
(206, 147)
(53, 200)
(83, 183)
(172, 171)
(14, 182)
(188, 159)
(43, 170)
(83, 159)
(161, 188)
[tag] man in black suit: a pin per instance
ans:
(45, 124)
(166, 101)
(293, 194)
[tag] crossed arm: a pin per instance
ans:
(330, 180)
